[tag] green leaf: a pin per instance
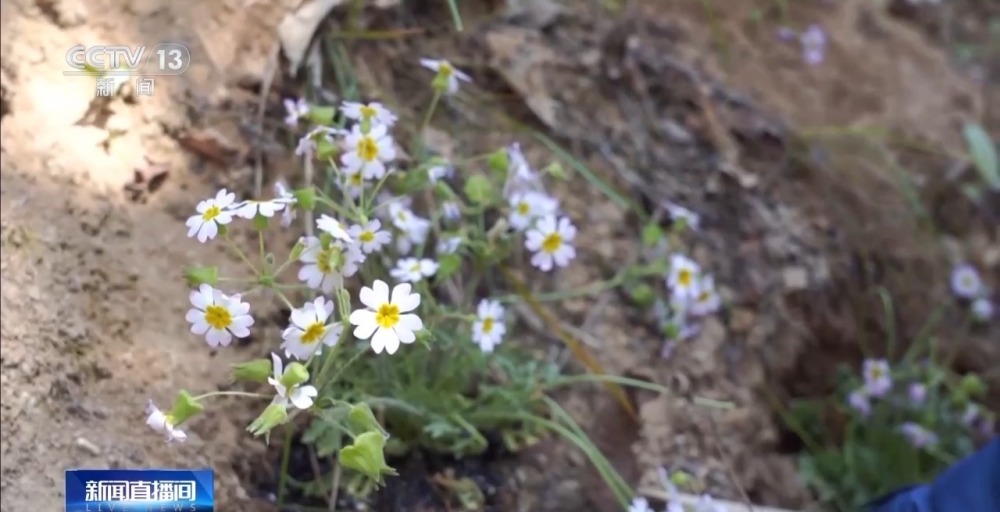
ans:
(984, 154)
(447, 266)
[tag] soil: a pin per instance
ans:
(664, 100)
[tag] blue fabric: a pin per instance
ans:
(971, 485)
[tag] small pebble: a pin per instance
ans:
(88, 446)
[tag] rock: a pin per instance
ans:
(795, 278)
(88, 446)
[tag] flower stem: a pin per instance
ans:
(239, 252)
(229, 393)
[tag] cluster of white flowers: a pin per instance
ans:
(366, 153)
(693, 294)
(967, 285)
(546, 233)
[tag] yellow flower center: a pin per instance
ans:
(523, 208)
(367, 112)
(313, 333)
(387, 316)
(211, 213)
(685, 277)
(703, 296)
(356, 180)
(445, 68)
(366, 236)
(415, 267)
(875, 373)
(218, 317)
(552, 243)
(488, 324)
(367, 149)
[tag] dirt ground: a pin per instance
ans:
(665, 100)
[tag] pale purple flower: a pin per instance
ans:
(982, 309)
(813, 45)
(786, 33)
(918, 436)
(965, 281)
(878, 380)
(858, 400)
(917, 393)
(971, 414)
(295, 110)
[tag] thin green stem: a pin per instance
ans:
(286, 456)
(241, 254)
(260, 245)
(229, 393)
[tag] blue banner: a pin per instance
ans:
(140, 490)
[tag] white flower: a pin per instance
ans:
(878, 378)
(300, 396)
(447, 71)
(295, 109)
(683, 278)
(388, 319)
(982, 309)
(858, 400)
(218, 317)
(706, 300)
(353, 184)
(550, 241)
(333, 227)
(489, 329)
(371, 236)
(163, 424)
(373, 111)
(288, 214)
(520, 176)
(212, 213)
(440, 172)
(640, 504)
(307, 144)
(525, 207)
(309, 329)
(326, 266)
(413, 269)
(448, 245)
(413, 227)
(680, 213)
(965, 281)
(368, 152)
(250, 208)
(451, 210)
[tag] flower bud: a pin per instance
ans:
(642, 295)
(498, 160)
(196, 276)
(305, 198)
(322, 116)
(258, 370)
(274, 415)
(361, 419)
(478, 189)
(295, 374)
(556, 170)
(972, 385)
(365, 455)
(297, 249)
(185, 406)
